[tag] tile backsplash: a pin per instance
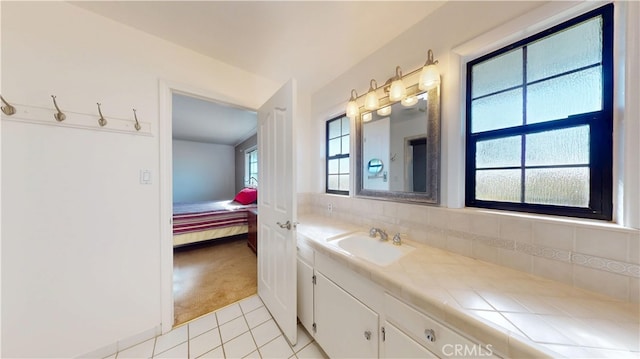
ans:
(603, 258)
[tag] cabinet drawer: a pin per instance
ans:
(438, 338)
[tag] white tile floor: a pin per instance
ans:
(242, 330)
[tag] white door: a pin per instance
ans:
(277, 208)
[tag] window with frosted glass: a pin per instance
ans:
(540, 122)
(338, 138)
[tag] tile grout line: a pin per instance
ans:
(153, 350)
(250, 331)
(224, 352)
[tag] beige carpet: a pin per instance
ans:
(207, 277)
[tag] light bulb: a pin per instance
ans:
(371, 101)
(429, 77)
(352, 107)
(409, 101)
(385, 111)
(397, 90)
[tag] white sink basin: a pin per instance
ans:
(374, 250)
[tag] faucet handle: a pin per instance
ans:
(397, 240)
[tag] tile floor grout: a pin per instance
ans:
(180, 343)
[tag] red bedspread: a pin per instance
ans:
(202, 216)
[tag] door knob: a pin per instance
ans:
(286, 225)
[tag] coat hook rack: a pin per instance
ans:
(7, 109)
(137, 125)
(60, 116)
(101, 121)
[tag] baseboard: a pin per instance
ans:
(122, 344)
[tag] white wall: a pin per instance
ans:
(413, 123)
(563, 249)
(375, 135)
(202, 171)
(80, 236)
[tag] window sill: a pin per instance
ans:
(581, 222)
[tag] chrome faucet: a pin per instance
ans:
(383, 235)
(397, 240)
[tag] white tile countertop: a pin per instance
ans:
(519, 314)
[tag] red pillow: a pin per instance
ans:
(247, 196)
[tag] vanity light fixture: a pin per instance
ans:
(352, 107)
(366, 117)
(371, 101)
(429, 76)
(397, 90)
(385, 111)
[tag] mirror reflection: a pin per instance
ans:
(399, 150)
(399, 138)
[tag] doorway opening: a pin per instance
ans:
(212, 264)
(418, 155)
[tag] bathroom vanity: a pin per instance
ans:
(350, 316)
(426, 302)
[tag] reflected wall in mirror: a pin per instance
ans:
(406, 142)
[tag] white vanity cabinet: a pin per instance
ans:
(396, 344)
(305, 282)
(430, 333)
(345, 328)
(350, 316)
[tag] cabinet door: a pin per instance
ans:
(305, 295)
(345, 328)
(396, 344)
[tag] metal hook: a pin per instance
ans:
(58, 116)
(101, 121)
(7, 109)
(137, 125)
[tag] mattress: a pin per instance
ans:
(199, 221)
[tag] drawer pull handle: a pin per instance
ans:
(367, 335)
(430, 335)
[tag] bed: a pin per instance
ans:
(201, 221)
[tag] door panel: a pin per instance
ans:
(396, 344)
(346, 328)
(276, 204)
(305, 295)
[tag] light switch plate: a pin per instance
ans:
(145, 177)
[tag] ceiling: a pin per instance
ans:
(199, 120)
(313, 41)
